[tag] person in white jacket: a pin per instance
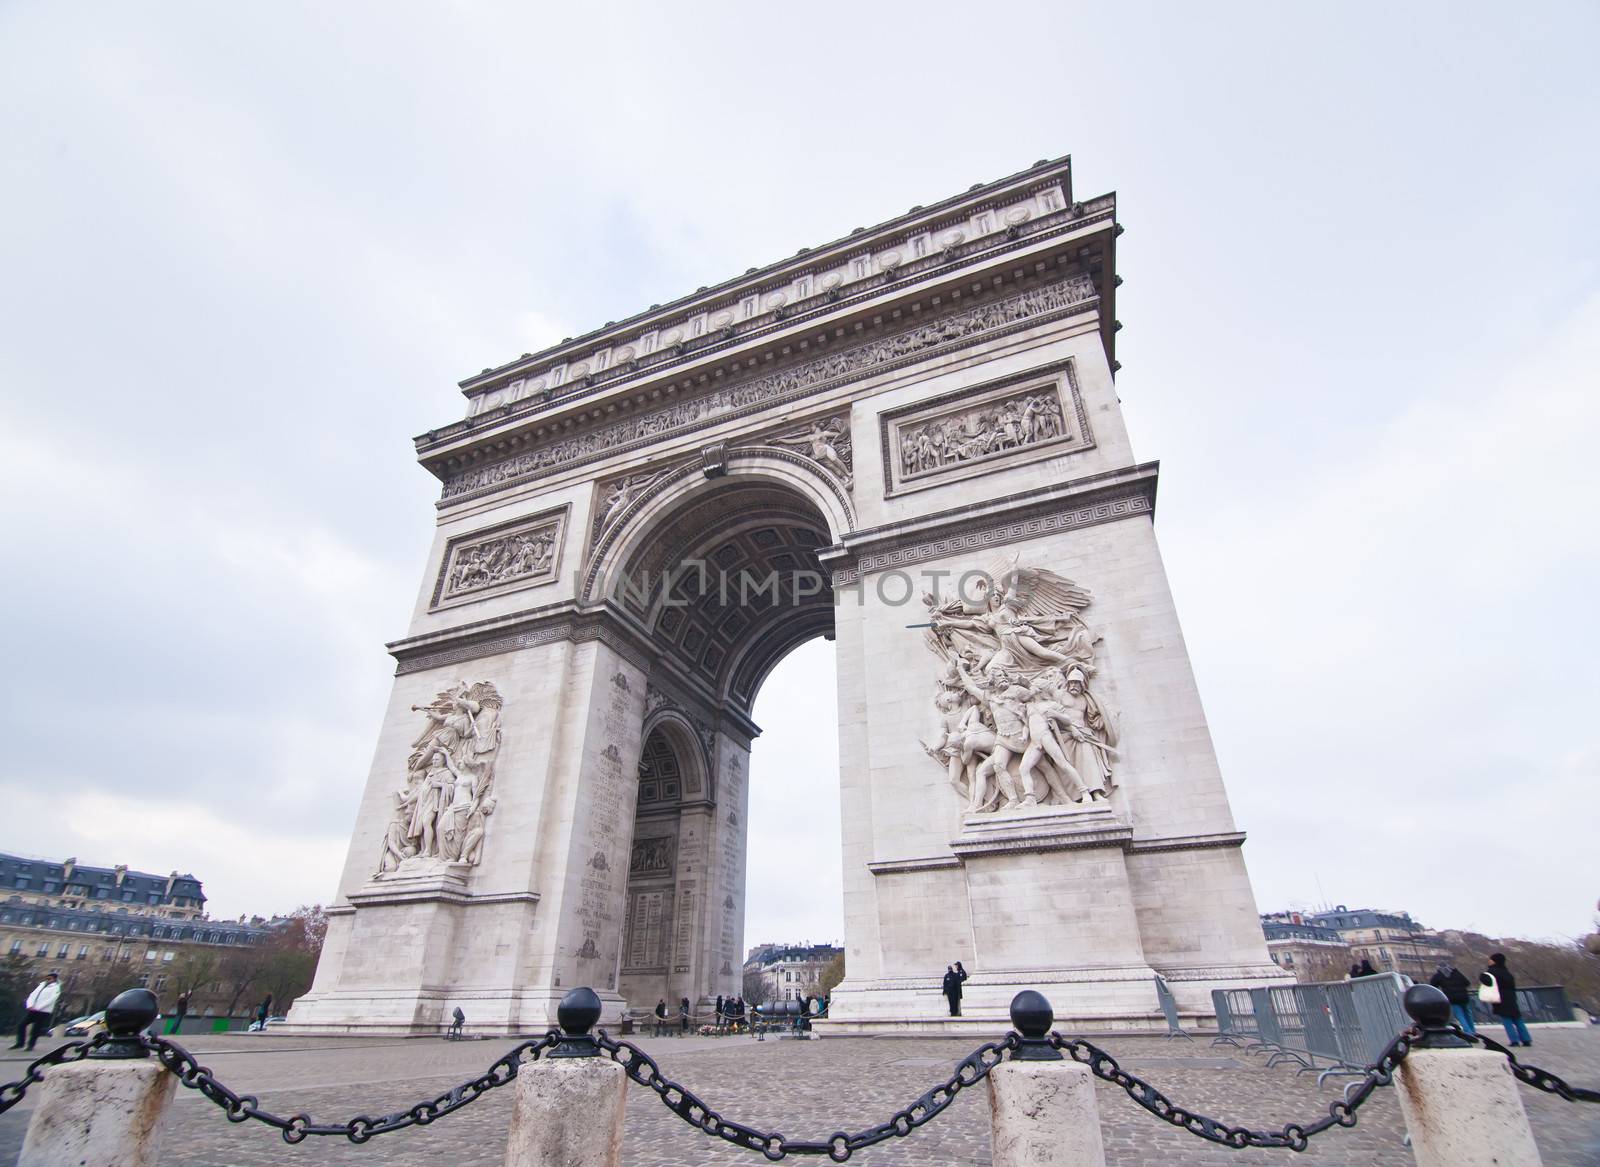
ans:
(41, 1007)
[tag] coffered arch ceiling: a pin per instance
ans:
(729, 581)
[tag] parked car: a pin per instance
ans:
(87, 1026)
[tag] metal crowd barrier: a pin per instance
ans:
(1331, 1027)
(1539, 1003)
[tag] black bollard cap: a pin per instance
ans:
(578, 1012)
(1031, 1017)
(130, 1013)
(1430, 1009)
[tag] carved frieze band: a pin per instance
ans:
(995, 228)
(507, 557)
(981, 537)
(982, 428)
(475, 646)
(954, 330)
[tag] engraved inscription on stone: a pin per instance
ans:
(504, 558)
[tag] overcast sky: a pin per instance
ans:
(247, 251)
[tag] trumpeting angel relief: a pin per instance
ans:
(442, 811)
(1019, 724)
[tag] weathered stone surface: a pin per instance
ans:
(568, 1113)
(1463, 1109)
(104, 1113)
(1044, 1113)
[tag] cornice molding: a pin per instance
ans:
(1187, 842)
(938, 336)
(1085, 502)
(987, 217)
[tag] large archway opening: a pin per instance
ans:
(725, 580)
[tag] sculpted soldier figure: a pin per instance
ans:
(1018, 723)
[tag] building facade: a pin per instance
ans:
(789, 972)
(1391, 940)
(907, 440)
(1310, 951)
(103, 929)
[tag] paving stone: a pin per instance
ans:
(806, 1090)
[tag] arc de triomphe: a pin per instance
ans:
(907, 440)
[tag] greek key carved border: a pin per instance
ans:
(980, 534)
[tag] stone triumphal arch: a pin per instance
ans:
(907, 440)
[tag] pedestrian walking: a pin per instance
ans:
(661, 1017)
(1498, 987)
(39, 1009)
(954, 975)
(179, 1012)
(263, 1011)
(720, 1005)
(683, 1016)
(457, 1020)
(1453, 983)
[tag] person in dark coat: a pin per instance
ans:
(1507, 1009)
(719, 1012)
(1364, 969)
(953, 976)
(683, 1016)
(263, 1011)
(661, 1017)
(1453, 983)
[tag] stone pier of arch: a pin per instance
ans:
(636, 526)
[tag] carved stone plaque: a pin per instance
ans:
(973, 431)
(520, 554)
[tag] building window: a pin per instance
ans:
(62, 955)
(22, 881)
(51, 885)
(167, 956)
(16, 947)
(150, 954)
(83, 952)
(44, 948)
(127, 897)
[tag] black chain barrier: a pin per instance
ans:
(1533, 1075)
(1295, 1136)
(840, 1145)
(298, 1127)
(1033, 1041)
(74, 1051)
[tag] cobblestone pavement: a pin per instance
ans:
(806, 1089)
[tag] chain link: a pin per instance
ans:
(298, 1127)
(1294, 1136)
(840, 1145)
(1532, 1075)
(74, 1051)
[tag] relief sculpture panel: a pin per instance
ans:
(975, 431)
(1019, 722)
(507, 557)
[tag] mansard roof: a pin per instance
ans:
(141, 883)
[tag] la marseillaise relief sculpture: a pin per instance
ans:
(908, 441)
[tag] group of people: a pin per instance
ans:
(1497, 988)
(664, 1017)
(731, 1012)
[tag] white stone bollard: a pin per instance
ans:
(1041, 1106)
(1462, 1105)
(569, 1104)
(105, 1110)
